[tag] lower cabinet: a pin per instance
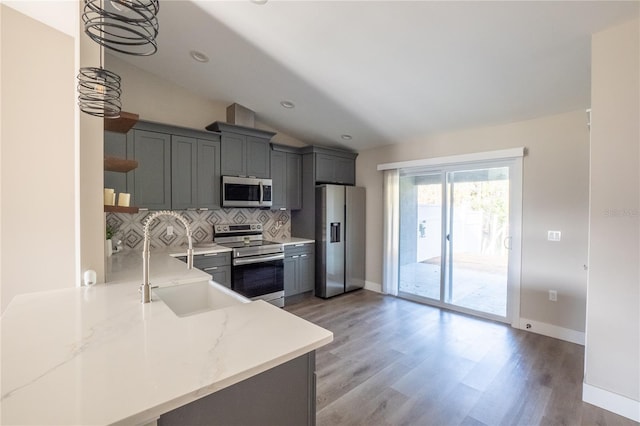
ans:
(284, 395)
(218, 265)
(299, 268)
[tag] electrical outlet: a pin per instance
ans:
(169, 231)
(554, 235)
(553, 295)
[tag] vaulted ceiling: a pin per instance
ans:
(384, 71)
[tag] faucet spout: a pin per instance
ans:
(145, 287)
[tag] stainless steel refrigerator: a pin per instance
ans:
(340, 239)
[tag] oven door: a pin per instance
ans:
(258, 276)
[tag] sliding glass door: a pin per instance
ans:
(455, 234)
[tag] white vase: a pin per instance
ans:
(108, 248)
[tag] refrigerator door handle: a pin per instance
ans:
(335, 232)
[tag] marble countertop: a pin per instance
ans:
(96, 355)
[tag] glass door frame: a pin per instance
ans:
(515, 238)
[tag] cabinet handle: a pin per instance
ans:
(295, 257)
(143, 209)
(299, 245)
(203, 209)
(303, 255)
(210, 254)
(213, 268)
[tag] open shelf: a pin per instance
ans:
(116, 164)
(122, 124)
(120, 209)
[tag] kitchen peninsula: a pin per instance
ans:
(96, 355)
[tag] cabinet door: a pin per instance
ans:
(325, 168)
(221, 275)
(258, 157)
(306, 281)
(184, 159)
(233, 154)
(279, 178)
(115, 145)
(293, 181)
(290, 276)
(208, 191)
(345, 171)
(151, 180)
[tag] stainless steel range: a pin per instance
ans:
(258, 264)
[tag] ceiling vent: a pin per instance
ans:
(240, 116)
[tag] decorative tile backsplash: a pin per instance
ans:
(129, 227)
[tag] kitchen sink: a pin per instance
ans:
(194, 298)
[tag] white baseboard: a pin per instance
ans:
(369, 285)
(551, 330)
(627, 407)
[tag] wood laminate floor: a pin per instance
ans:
(396, 362)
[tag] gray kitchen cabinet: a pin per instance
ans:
(284, 395)
(335, 169)
(245, 151)
(208, 174)
(319, 165)
(184, 158)
(150, 183)
(195, 173)
(115, 145)
(286, 173)
(299, 268)
(279, 180)
(218, 265)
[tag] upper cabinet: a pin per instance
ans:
(286, 173)
(333, 165)
(245, 151)
(150, 183)
(195, 173)
(178, 168)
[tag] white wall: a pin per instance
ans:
(555, 197)
(159, 100)
(37, 160)
(612, 367)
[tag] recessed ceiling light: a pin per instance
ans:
(287, 104)
(199, 56)
(260, 2)
(346, 137)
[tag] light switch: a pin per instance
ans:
(553, 235)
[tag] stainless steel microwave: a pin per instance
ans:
(246, 192)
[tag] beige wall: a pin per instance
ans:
(37, 152)
(613, 322)
(555, 197)
(159, 100)
(91, 174)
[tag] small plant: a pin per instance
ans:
(110, 231)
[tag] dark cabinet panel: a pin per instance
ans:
(184, 157)
(234, 152)
(258, 160)
(299, 268)
(279, 180)
(335, 169)
(151, 181)
(294, 181)
(208, 175)
(286, 173)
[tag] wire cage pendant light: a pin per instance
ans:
(99, 92)
(125, 26)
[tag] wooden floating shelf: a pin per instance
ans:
(120, 209)
(115, 164)
(122, 124)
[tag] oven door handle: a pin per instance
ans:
(237, 262)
